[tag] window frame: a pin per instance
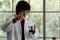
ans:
(44, 14)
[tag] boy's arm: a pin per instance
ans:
(7, 23)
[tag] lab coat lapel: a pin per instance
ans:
(17, 27)
(16, 34)
(26, 31)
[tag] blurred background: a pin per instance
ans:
(52, 17)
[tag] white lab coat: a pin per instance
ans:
(14, 29)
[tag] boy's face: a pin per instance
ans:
(23, 14)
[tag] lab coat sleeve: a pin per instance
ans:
(31, 23)
(6, 27)
(36, 35)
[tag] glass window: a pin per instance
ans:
(52, 39)
(38, 39)
(52, 5)
(52, 25)
(38, 20)
(52, 19)
(5, 5)
(3, 16)
(3, 39)
(14, 4)
(36, 5)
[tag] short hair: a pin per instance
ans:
(22, 6)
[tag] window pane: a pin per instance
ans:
(38, 39)
(3, 16)
(15, 3)
(27, 0)
(5, 5)
(38, 20)
(52, 39)
(52, 24)
(36, 5)
(3, 39)
(52, 5)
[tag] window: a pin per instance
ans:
(38, 19)
(3, 16)
(52, 16)
(5, 5)
(52, 5)
(52, 25)
(36, 5)
(37, 15)
(52, 19)
(14, 4)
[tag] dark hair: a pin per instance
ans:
(22, 6)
